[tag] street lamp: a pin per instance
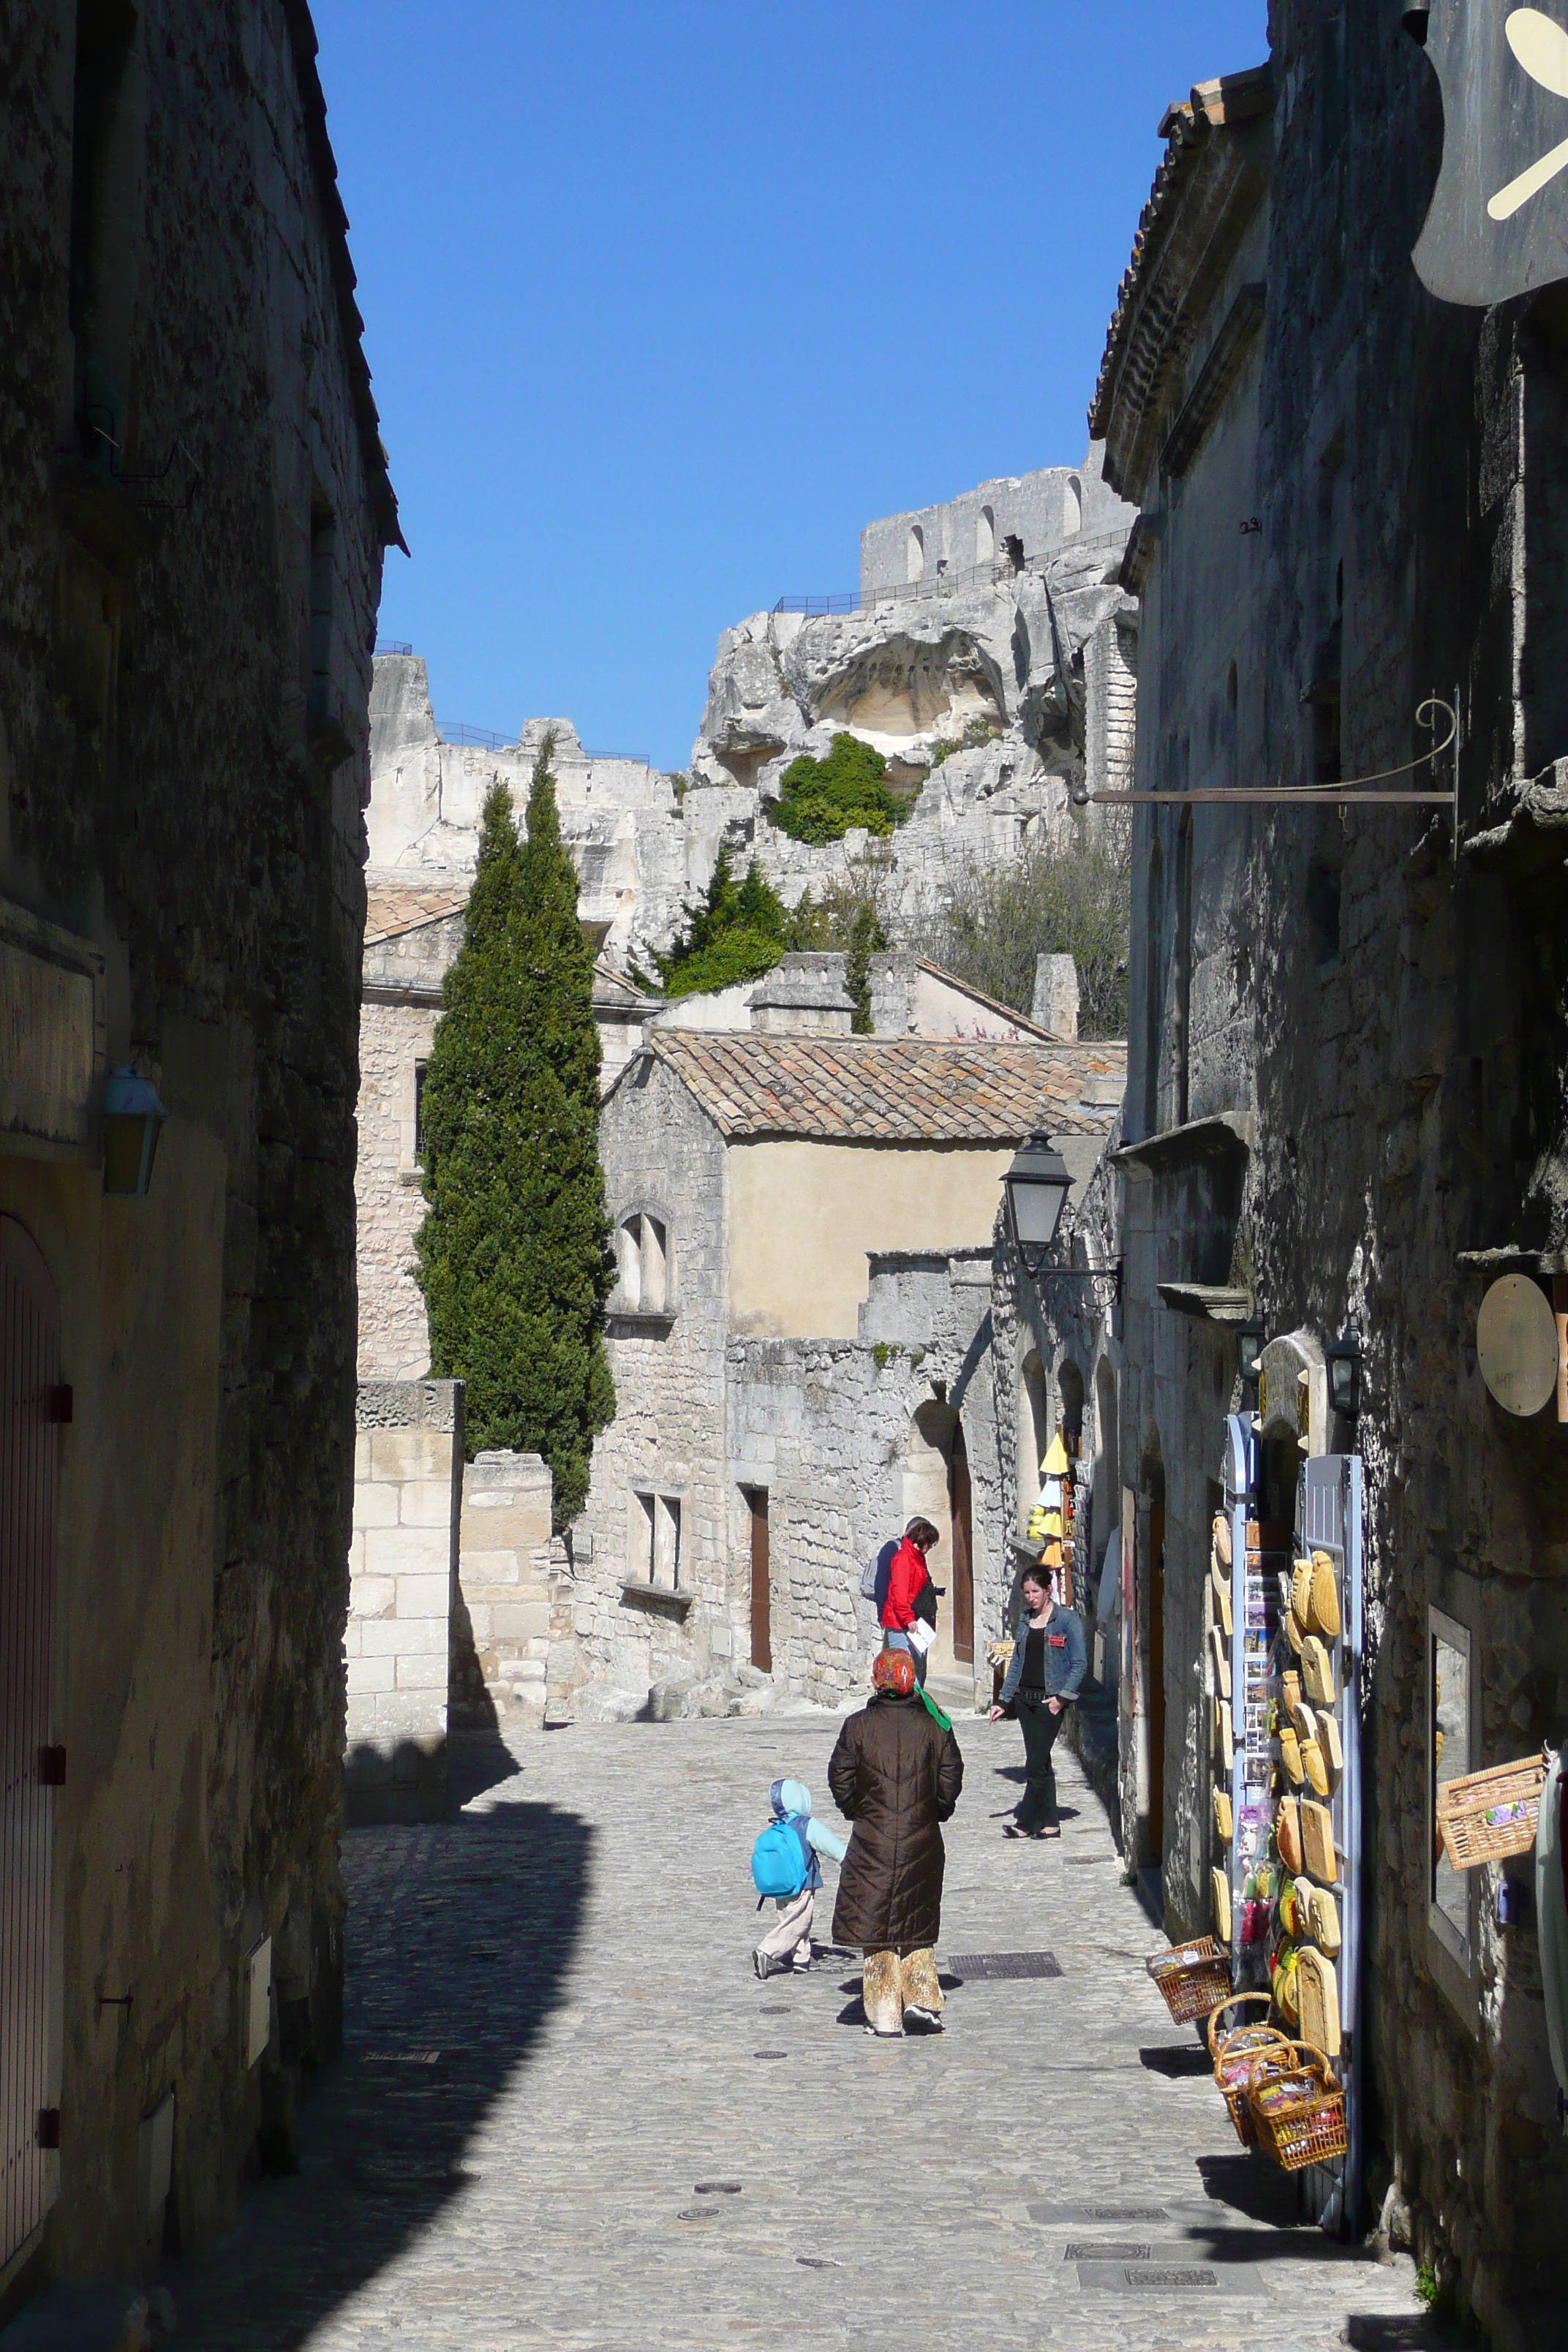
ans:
(1038, 1184)
(1342, 1356)
(133, 1120)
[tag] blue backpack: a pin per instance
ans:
(782, 1860)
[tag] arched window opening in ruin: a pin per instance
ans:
(643, 1258)
(985, 536)
(1106, 1487)
(1069, 1405)
(1072, 507)
(1034, 1432)
(917, 553)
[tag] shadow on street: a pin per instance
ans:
(458, 1937)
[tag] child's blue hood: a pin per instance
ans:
(788, 1797)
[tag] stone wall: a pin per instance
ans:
(508, 1569)
(403, 1570)
(393, 1337)
(1377, 1012)
(665, 1159)
(182, 771)
(1040, 510)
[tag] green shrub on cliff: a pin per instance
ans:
(513, 1254)
(738, 930)
(821, 799)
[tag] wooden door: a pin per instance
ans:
(962, 1551)
(761, 1586)
(30, 1407)
(1156, 1681)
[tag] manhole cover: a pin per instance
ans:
(770, 2054)
(718, 2187)
(1003, 1964)
(1086, 2250)
(697, 2212)
(817, 2262)
(774, 2009)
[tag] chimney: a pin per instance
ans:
(1055, 1007)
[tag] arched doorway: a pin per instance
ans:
(31, 1407)
(916, 552)
(961, 1506)
(985, 536)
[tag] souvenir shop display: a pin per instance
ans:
(1486, 1816)
(1193, 1978)
(1289, 1911)
(1056, 1522)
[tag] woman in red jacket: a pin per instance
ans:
(911, 1596)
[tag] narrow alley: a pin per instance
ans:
(569, 2114)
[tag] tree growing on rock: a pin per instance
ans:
(737, 930)
(513, 1254)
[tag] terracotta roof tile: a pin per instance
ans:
(894, 1090)
(393, 908)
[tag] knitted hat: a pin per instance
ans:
(893, 1670)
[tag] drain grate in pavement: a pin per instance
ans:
(817, 2262)
(1110, 2250)
(1167, 2278)
(401, 2057)
(1107, 2216)
(717, 2188)
(1000, 1965)
(774, 2009)
(770, 2054)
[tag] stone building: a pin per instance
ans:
(192, 514)
(1347, 1044)
(779, 1407)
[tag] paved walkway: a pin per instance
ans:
(557, 2051)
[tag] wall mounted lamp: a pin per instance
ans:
(1250, 1337)
(1342, 1356)
(1037, 1187)
(133, 1122)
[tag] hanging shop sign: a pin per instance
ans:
(1516, 1344)
(1498, 222)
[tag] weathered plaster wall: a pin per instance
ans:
(1042, 509)
(803, 1216)
(182, 771)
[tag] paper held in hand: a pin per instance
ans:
(919, 1636)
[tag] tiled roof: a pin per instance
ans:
(395, 906)
(1154, 322)
(893, 1090)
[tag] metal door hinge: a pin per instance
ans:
(52, 1766)
(59, 1402)
(48, 2127)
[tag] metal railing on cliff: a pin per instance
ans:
(995, 573)
(485, 739)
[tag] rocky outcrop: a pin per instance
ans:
(990, 702)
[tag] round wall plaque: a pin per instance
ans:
(1516, 1344)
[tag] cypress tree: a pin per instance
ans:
(514, 1253)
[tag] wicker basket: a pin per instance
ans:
(1193, 1978)
(1299, 2114)
(1489, 1815)
(1235, 2052)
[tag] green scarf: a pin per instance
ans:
(942, 1722)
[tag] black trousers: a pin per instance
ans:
(1037, 1806)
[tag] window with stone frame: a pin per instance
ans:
(642, 1255)
(655, 1552)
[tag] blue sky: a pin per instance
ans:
(663, 303)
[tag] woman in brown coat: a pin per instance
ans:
(896, 1772)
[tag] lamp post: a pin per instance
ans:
(133, 1120)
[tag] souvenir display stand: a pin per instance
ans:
(1286, 1650)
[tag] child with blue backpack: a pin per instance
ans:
(784, 1865)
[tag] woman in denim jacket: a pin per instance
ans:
(1045, 1671)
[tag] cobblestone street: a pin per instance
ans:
(569, 2115)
